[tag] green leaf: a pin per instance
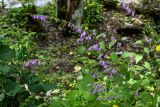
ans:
(82, 85)
(100, 35)
(145, 82)
(136, 68)
(82, 49)
(6, 53)
(73, 95)
(158, 99)
(127, 54)
(124, 70)
(145, 97)
(1, 96)
(124, 92)
(56, 104)
(138, 42)
(147, 65)
(4, 69)
(88, 96)
(102, 45)
(108, 85)
(12, 88)
(114, 57)
(146, 50)
(138, 57)
(48, 86)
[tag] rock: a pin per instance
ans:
(137, 22)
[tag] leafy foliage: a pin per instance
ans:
(102, 71)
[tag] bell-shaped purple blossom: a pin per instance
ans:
(147, 39)
(79, 30)
(127, 9)
(103, 64)
(88, 38)
(114, 71)
(98, 88)
(69, 24)
(113, 38)
(80, 40)
(39, 17)
(159, 40)
(94, 47)
(31, 63)
(119, 44)
(83, 35)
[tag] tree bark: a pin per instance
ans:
(70, 10)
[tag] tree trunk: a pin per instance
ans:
(70, 10)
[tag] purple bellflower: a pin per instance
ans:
(40, 17)
(94, 47)
(127, 9)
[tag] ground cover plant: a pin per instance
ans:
(111, 60)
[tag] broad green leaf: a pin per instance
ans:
(88, 96)
(124, 92)
(138, 57)
(82, 49)
(56, 104)
(82, 85)
(48, 86)
(131, 81)
(1, 96)
(150, 88)
(73, 95)
(127, 54)
(145, 97)
(146, 50)
(145, 82)
(114, 57)
(102, 45)
(4, 69)
(158, 99)
(124, 70)
(147, 65)
(138, 42)
(6, 53)
(136, 68)
(12, 88)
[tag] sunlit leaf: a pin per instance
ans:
(138, 57)
(147, 65)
